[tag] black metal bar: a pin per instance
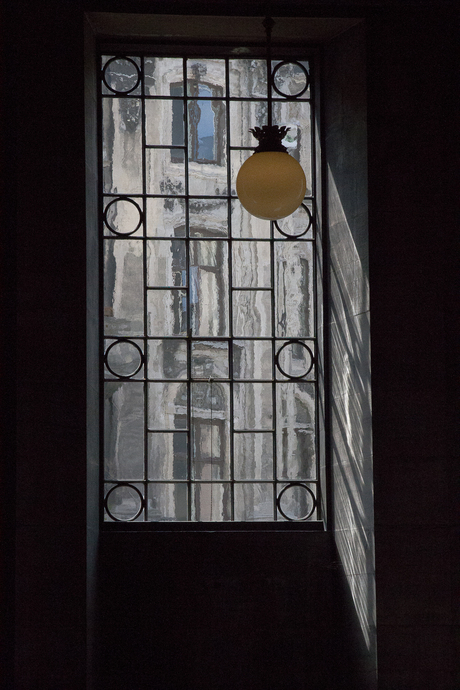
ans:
(189, 338)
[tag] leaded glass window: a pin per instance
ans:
(210, 348)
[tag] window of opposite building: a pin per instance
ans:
(210, 349)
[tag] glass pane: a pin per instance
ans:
(295, 408)
(245, 115)
(123, 358)
(291, 79)
(168, 502)
(167, 312)
(121, 75)
(164, 123)
(248, 78)
(208, 218)
(207, 138)
(237, 158)
(253, 456)
(253, 502)
(166, 263)
(252, 359)
(122, 149)
(296, 502)
(295, 359)
(204, 76)
(124, 430)
(168, 455)
(296, 116)
(167, 359)
(252, 313)
(209, 360)
(166, 217)
(252, 406)
(212, 502)
(123, 287)
(164, 76)
(298, 224)
(167, 406)
(246, 225)
(209, 287)
(251, 264)
(210, 430)
(165, 171)
(122, 216)
(124, 502)
(294, 289)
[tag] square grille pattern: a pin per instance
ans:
(209, 352)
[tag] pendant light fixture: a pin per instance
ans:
(270, 184)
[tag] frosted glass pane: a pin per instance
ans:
(164, 123)
(164, 76)
(121, 75)
(122, 149)
(124, 430)
(246, 225)
(251, 264)
(253, 456)
(207, 140)
(252, 313)
(168, 455)
(237, 158)
(294, 289)
(166, 263)
(208, 218)
(165, 171)
(123, 358)
(290, 79)
(296, 502)
(252, 406)
(122, 216)
(212, 502)
(167, 359)
(296, 116)
(209, 359)
(168, 502)
(245, 115)
(209, 288)
(295, 407)
(167, 406)
(210, 425)
(123, 287)
(253, 502)
(167, 312)
(124, 503)
(252, 359)
(248, 78)
(166, 217)
(298, 224)
(295, 359)
(204, 76)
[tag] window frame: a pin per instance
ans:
(291, 51)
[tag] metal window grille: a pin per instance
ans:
(209, 353)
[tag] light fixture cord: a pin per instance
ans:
(268, 23)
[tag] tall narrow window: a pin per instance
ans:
(209, 348)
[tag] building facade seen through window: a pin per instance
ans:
(210, 381)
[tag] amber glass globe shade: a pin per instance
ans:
(271, 185)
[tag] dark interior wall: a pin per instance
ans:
(348, 325)
(411, 106)
(413, 171)
(46, 216)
